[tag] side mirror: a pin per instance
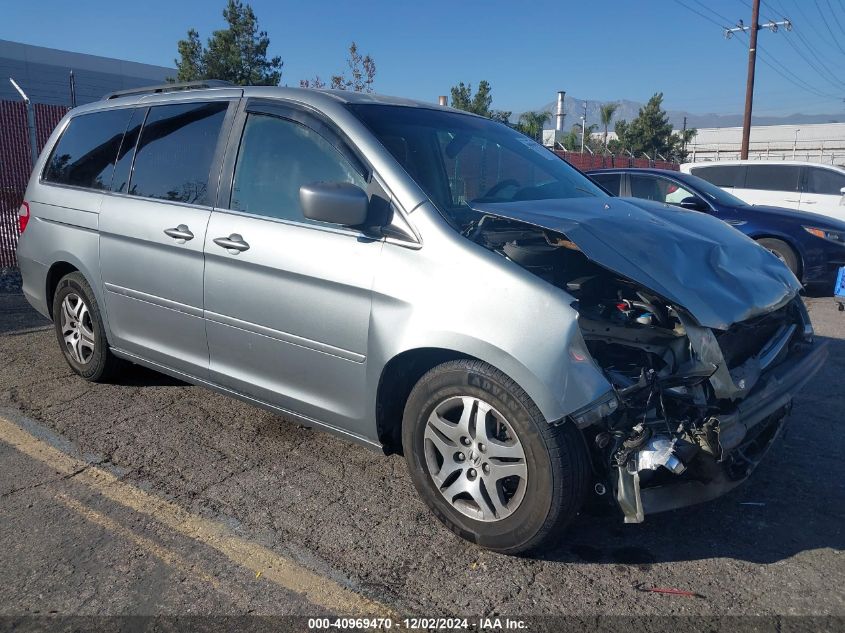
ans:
(693, 203)
(335, 202)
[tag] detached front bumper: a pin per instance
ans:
(744, 436)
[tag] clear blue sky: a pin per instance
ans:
(613, 49)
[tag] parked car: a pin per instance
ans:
(791, 184)
(811, 245)
(422, 281)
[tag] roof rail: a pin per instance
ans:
(173, 87)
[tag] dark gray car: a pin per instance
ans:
(423, 281)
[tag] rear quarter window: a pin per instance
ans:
(85, 153)
(824, 181)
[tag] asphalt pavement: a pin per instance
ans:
(151, 496)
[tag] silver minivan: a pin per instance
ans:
(422, 281)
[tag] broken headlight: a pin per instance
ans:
(596, 411)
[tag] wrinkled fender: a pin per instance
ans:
(458, 296)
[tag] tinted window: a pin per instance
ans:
(658, 189)
(721, 175)
(772, 177)
(275, 159)
(611, 182)
(85, 153)
(175, 152)
(123, 166)
(824, 181)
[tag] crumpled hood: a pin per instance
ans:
(691, 259)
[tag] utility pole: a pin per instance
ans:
(583, 126)
(684, 136)
(72, 90)
(752, 62)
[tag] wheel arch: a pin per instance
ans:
(397, 379)
(789, 241)
(55, 273)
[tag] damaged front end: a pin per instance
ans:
(691, 408)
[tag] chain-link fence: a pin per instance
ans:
(16, 165)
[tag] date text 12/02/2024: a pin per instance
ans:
(419, 624)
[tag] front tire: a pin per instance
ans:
(486, 461)
(782, 251)
(79, 329)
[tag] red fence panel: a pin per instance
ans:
(595, 161)
(15, 165)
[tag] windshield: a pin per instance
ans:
(712, 192)
(460, 159)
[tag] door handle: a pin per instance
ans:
(234, 243)
(788, 200)
(181, 233)
(809, 202)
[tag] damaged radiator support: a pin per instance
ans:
(703, 425)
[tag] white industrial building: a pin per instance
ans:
(816, 142)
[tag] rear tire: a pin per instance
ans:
(782, 251)
(79, 330)
(460, 454)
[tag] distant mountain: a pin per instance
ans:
(629, 110)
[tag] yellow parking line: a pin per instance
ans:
(281, 571)
(162, 553)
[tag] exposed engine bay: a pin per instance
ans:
(678, 412)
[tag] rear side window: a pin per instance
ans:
(772, 177)
(721, 175)
(825, 181)
(175, 151)
(276, 158)
(86, 151)
(611, 182)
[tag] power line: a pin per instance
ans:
(699, 13)
(827, 26)
(835, 17)
(811, 23)
(718, 15)
(820, 67)
(788, 75)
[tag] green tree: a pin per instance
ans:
(362, 72)
(606, 113)
(361, 69)
(572, 139)
(237, 53)
(650, 132)
(478, 103)
(531, 124)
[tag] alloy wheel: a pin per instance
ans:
(77, 329)
(475, 458)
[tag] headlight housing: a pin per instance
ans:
(595, 411)
(836, 237)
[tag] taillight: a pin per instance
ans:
(23, 216)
